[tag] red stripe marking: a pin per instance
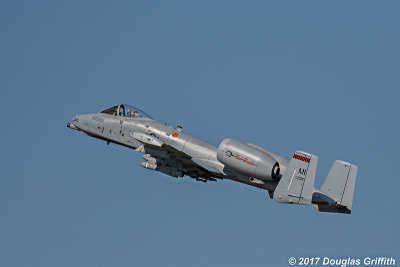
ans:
(295, 156)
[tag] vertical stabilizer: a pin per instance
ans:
(339, 186)
(297, 183)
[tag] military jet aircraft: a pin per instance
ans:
(169, 150)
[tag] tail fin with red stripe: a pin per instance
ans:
(297, 183)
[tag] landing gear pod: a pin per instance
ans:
(248, 160)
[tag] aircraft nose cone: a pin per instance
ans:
(75, 123)
(76, 120)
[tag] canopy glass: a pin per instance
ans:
(124, 110)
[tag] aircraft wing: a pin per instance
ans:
(169, 160)
(175, 152)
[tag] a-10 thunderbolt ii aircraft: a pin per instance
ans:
(169, 150)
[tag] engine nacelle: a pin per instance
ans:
(248, 160)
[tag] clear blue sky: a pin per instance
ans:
(318, 76)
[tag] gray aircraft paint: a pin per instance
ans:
(247, 160)
(169, 150)
(297, 183)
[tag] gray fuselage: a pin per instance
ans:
(167, 149)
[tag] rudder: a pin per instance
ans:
(340, 183)
(297, 183)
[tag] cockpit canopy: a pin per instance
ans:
(126, 111)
